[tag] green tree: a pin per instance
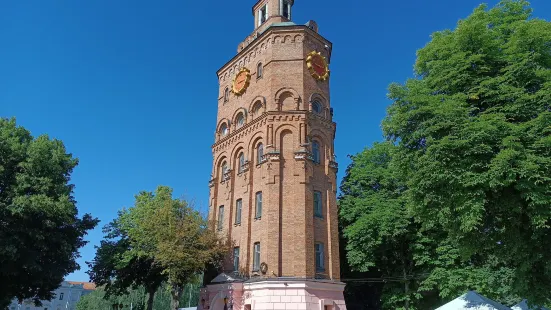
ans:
(381, 236)
(40, 231)
(473, 131)
(419, 269)
(174, 235)
(116, 271)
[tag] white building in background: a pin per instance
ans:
(66, 297)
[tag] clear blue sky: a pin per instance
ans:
(130, 85)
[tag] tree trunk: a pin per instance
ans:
(176, 293)
(150, 298)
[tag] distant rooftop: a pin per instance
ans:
(85, 285)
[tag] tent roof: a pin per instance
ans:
(223, 278)
(473, 301)
(524, 306)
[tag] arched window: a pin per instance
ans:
(224, 130)
(259, 70)
(240, 120)
(317, 107)
(257, 107)
(226, 95)
(316, 152)
(259, 153)
(241, 163)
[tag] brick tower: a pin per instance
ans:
(273, 186)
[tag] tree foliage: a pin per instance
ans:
(381, 236)
(419, 269)
(172, 234)
(473, 137)
(117, 271)
(40, 231)
(135, 297)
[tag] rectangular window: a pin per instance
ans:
(256, 257)
(320, 266)
(286, 6)
(258, 208)
(236, 259)
(220, 217)
(318, 204)
(262, 15)
(238, 209)
(61, 296)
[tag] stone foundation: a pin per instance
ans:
(274, 294)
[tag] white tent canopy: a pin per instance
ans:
(473, 301)
(524, 306)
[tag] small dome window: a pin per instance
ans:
(256, 108)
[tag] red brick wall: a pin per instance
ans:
(287, 230)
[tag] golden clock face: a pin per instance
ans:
(241, 81)
(318, 66)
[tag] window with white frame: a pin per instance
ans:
(262, 15)
(236, 259)
(259, 153)
(258, 206)
(224, 130)
(223, 170)
(241, 163)
(256, 257)
(286, 9)
(238, 210)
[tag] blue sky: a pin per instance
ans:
(130, 85)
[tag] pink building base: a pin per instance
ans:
(274, 294)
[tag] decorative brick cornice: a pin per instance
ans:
(256, 44)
